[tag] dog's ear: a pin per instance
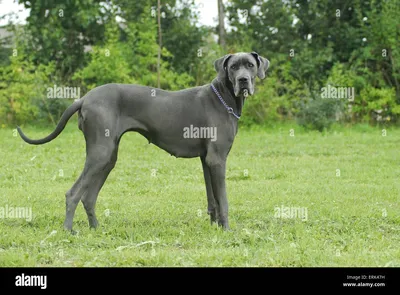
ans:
(220, 65)
(262, 65)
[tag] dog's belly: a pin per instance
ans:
(179, 141)
(183, 148)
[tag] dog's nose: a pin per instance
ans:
(243, 80)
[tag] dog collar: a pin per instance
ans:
(228, 108)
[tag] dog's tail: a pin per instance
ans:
(60, 126)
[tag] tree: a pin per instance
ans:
(60, 30)
(221, 24)
(181, 34)
(133, 60)
(159, 42)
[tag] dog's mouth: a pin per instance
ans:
(243, 90)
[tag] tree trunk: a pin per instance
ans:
(221, 24)
(159, 43)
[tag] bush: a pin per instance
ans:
(320, 113)
(116, 62)
(276, 97)
(377, 104)
(23, 92)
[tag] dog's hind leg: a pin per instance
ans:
(101, 159)
(71, 201)
(97, 176)
(101, 156)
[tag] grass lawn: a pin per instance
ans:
(345, 185)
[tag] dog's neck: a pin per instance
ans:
(236, 103)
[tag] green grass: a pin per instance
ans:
(353, 219)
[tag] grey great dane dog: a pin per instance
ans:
(106, 112)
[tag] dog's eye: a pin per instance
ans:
(250, 65)
(233, 67)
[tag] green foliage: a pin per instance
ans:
(260, 108)
(181, 34)
(320, 113)
(377, 103)
(267, 105)
(377, 60)
(310, 44)
(277, 98)
(23, 91)
(131, 61)
(315, 43)
(371, 104)
(60, 30)
(203, 68)
(142, 56)
(182, 37)
(107, 64)
(264, 26)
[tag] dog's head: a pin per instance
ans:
(241, 70)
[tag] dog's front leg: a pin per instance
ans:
(217, 169)
(212, 205)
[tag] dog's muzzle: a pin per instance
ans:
(244, 86)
